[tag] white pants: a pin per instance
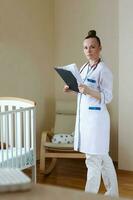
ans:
(98, 165)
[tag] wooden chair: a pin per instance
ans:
(64, 123)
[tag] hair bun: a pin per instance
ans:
(92, 33)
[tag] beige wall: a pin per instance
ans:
(33, 33)
(26, 55)
(125, 85)
(72, 21)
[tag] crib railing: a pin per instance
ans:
(17, 134)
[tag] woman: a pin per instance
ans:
(92, 130)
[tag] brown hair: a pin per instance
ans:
(92, 34)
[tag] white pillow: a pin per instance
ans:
(63, 138)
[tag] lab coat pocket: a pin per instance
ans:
(91, 82)
(97, 108)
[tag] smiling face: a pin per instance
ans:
(91, 49)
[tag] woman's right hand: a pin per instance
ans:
(66, 88)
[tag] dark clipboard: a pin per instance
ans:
(68, 78)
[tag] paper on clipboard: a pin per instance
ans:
(73, 68)
(70, 75)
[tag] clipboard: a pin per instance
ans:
(68, 78)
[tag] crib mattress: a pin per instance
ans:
(13, 158)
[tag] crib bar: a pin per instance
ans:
(7, 136)
(1, 132)
(11, 136)
(21, 126)
(33, 113)
(16, 135)
(24, 124)
(3, 126)
(27, 130)
(32, 128)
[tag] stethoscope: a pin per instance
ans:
(93, 67)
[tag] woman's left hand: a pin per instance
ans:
(84, 89)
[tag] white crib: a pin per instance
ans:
(17, 134)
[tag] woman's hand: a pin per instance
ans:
(84, 89)
(66, 88)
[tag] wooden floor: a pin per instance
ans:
(72, 173)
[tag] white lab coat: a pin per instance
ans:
(92, 129)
